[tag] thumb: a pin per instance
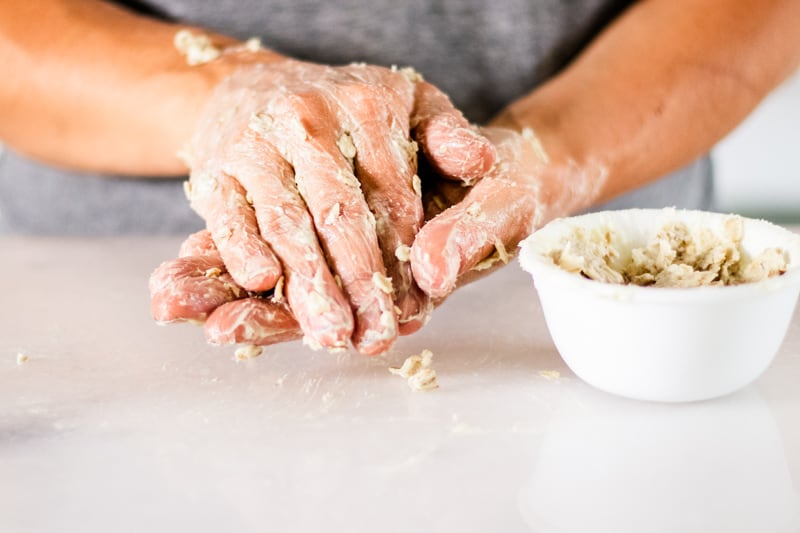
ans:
(452, 146)
(484, 228)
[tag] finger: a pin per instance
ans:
(385, 162)
(486, 226)
(343, 221)
(189, 288)
(451, 145)
(316, 300)
(487, 221)
(230, 219)
(199, 244)
(252, 321)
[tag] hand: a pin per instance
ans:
(478, 228)
(308, 172)
(472, 230)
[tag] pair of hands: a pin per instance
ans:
(307, 178)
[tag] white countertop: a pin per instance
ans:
(116, 424)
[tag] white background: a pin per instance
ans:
(758, 165)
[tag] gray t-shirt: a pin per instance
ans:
(483, 54)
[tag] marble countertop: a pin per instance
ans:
(116, 424)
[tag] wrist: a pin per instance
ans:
(193, 77)
(568, 179)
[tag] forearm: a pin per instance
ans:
(94, 87)
(660, 86)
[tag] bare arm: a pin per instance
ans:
(661, 85)
(91, 86)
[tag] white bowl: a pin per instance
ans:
(663, 344)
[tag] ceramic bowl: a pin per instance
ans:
(663, 344)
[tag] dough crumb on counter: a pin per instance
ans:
(417, 369)
(550, 375)
(676, 257)
(22, 358)
(250, 351)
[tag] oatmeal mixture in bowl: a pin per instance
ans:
(665, 304)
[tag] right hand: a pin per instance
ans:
(309, 172)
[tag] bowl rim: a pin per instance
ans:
(533, 260)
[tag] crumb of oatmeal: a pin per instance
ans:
(213, 272)
(416, 184)
(253, 44)
(500, 254)
(417, 369)
(411, 149)
(277, 294)
(410, 73)
(403, 253)
(346, 146)
(250, 351)
(676, 257)
(22, 358)
(550, 375)
(383, 283)
(197, 48)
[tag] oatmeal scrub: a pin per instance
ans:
(675, 257)
(418, 370)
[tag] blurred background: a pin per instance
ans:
(757, 166)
